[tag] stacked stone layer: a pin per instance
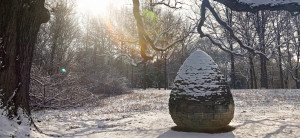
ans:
(200, 99)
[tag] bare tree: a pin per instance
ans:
(144, 38)
(64, 32)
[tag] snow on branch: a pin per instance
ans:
(152, 44)
(168, 3)
(206, 4)
(14, 93)
(292, 6)
(221, 47)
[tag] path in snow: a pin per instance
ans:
(258, 113)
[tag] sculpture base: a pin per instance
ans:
(225, 129)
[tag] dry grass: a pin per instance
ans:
(153, 99)
(137, 101)
(268, 97)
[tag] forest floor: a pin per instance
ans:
(144, 113)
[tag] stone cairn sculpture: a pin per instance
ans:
(201, 99)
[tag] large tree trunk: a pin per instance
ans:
(289, 66)
(264, 74)
(229, 41)
(19, 25)
(297, 68)
(141, 31)
(260, 28)
(278, 38)
(232, 71)
(252, 73)
(160, 76)
(297, 78)
(145, 76)
(296, 21)
(165, 72)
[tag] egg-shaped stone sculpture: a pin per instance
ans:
(200, 99)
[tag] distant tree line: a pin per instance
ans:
(263, 45)
(68, 60)
(108, 56)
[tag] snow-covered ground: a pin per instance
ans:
(9, 128)
(258, 113)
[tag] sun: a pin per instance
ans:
(94, 7)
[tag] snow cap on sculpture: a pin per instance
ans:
(200, 74)
(201, 98)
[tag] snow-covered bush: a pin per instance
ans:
(73, 89)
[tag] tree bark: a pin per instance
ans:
(289, 66)
(182, 52)
(298, 52)
(165, 72)
(160, 76)
(52, 55)
(19, 25)
(252, 73)
(260, 28)
(278, 37)
(145, 76)
(280, 67)
(232, 71)
(229, 40)
(140, 28)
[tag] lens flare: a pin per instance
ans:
(63, 70)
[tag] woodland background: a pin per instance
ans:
(102, 56)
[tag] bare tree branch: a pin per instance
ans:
(251, 6)
(144, 38)
(167, 3)
(206, 4)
